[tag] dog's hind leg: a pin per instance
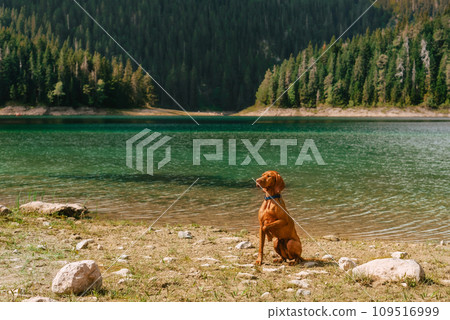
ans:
(278, 247)
(294, 250)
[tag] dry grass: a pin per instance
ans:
(29, 270)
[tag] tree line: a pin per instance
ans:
(37, 70)
(408, 64)
(209, 54)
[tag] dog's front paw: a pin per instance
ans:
(258, 262)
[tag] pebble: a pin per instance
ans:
(208, 259)
(15, 251)
(302, 292)
(346, 263)
(122, 261)
(41, 247)
(229, 240)
(289, 290)
(244, 245)
(266, 296)
(184, 235)
(445, 282)
(150, 247)
(331, 237)
(300, 283)
(310, 264)
(274, 270)
(124, 257)
(123, 272)
(120, 248)
(46, 224)
(83, 244)
(244, 275)
(399, 255)
(169, 259)
(327, 257)
(99, 247)
(205, 265)
(125, 280)
(372, 246)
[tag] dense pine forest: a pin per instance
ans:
(408, 64)
(210, 54)
(213, 54)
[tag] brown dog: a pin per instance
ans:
(275, 222)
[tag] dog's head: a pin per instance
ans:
(271, 182)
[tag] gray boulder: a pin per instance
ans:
(77, 277)
(68, 209)
(390, 269)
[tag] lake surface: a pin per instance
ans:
(382, 179)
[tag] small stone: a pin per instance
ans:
(229, 240)
(169, 259)
(208, 259)
(83, 244)
(39, 299)
(289, 290)
(243, 275)
(327, 257)
(246, 265)
(15, 251)
(122, 261)
(273, 270)
(266, 296)
(46, 224)
(125, 280)
(445, 282)
(150, 247)
(302, 292)
(444, 243)
(331, 237)
(124, 257)
(205, 265)
(244, 245)
(99, 247)
(346, 263)
(310, 264)
(184, 235)
(306, 273)
(399, 255)
(123, 272)
(372, 246)
(300, 283)
(404, 284)
(41, 247)
(120, 248)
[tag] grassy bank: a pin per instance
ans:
(34, 247)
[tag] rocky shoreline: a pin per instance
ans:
(55, 252)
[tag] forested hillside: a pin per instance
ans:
(408, 64)
(36, 70)
(207, 53)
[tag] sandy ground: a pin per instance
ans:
(323, 111)
(205, 268)
(69, 111)
(379, 112)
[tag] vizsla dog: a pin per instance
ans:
(275, 222)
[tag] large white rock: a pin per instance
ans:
(66, 209)
(346, 263)
(244, 245)
(77, 277)
(390, 269)
(4, 210)
(39, 299)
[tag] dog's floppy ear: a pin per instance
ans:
(279, 184)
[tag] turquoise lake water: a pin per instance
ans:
(382, 179)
